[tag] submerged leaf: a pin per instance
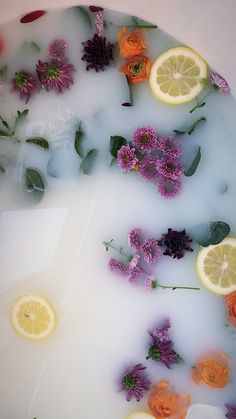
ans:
(140, 23)
(196, 124)
(4, 123)
(4, 133)
(84, 14)
(217, 231)
(41, 142)
(30, 17)
(34, 181)
(89, 160)
(79, 135)
(21, 117)
(3, 70)
(35, 47)
(192, 169)
(116, 142)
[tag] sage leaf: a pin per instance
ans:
(116, 142)
(4, 133)
(4, 123)
(21, 117)
(85, 15)
(217, 231)
(88, 162)
(41, 142)
(79, 135)
(192, 169)
(34, 181)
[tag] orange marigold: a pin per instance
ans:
(165, 403)
(212, 370)
(230, 301)
(137, 69)
(130, 43)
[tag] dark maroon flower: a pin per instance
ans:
(231, 414)
(97, 53)
(30, 17)
(96, 9)
(175, 243)
(26, 84)
(135, 383)
(55, 75)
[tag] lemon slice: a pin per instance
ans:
(178, 75)
(33, 316)
(140, 415)
(216, 266)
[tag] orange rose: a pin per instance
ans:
(137, 68)
(130, 44)
(230, 301)
(214, 371)
(1, 45)
(165, 403)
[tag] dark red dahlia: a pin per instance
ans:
(175, 243)
(97, 53)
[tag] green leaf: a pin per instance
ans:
(178, 132)
(140, 23)
(21, 117)
(217, 231)
(84, 14)
(116, 142)
(3, 71)
(89, 160)
(192, 169)
(4, 133)
(79, 135)
(34, 181)
(196, 124)
(41, 142)
(4, 123)
(35, 47)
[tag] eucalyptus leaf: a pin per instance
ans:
(41, 142)
(21, 116)
(84, 14)
(4, 123)
(4, 133)
(3, 71)
(34, 181)
(217, 231)
(192, 169)
(116, 142)
(89, 160)
(79, 135)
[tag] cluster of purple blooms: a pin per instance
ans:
(156, 159)
(134, 381)
(55, 74)
(173, 243)
(231, 414)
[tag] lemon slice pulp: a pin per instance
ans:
(33, 316)
(178, 75)
(140, 415)
(216, 266)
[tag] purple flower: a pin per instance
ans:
(145, 139)
(97, 53)
(219, 83)
(134, 239)
(161, 348)
(151, 250)
(126, 158)
(118, 266)
(150, 282)
(147, 168)
(169, 168)
(170, 146)
(134, 382)
(175, 243)
(99, 23)
(169, 188)
(57, 49)
(135, 260)
(25, 84)
(55, 75)
(231, 414)
(132, 271)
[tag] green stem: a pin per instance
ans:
(175, 288)
(201, 103)
(118, 249)
(133, 26)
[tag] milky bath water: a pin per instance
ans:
(54, 246)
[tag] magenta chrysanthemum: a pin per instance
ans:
(134, 239)
(231, 414)
(147, 168)
(126, 158)
(134, 273)
(145, 139)
(150, 282)
(219, 83)
(169, 168)
(150, 250)
(135, 260)
(99, 23)
(170, 146)
(134, 382)
(25, 84)
(55, 75)
(118, 266)
(162, 332)
(97, 53)
(169, 188)
(57, 49)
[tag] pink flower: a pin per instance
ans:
(150, 282)
(151, 250)
(147, 168)
(145, 139)
(25, 84)
(126, 158)
(118, 266)
(57, 49)
(169, 188)
(99, 23)
(55, 75)
(219, 83)
(134, 239)
(170, 146)
(169, 167)
(135, 260)
(134, 273)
